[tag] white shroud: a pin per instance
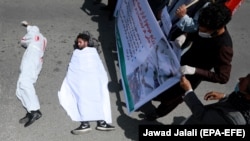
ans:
(84, 92)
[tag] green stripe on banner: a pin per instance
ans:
(123, 69)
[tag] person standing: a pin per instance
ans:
(208, 59)
(186, 19)
(31, 65)
(111, 5)
(84, 92)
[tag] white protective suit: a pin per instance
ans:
(84, 92)
(31, 65)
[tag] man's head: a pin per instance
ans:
(213, 18)
(82, 40)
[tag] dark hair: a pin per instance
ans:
(214, 16)
(83, 36)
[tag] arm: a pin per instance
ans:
(186, 23)
(214, 96)
(218, 66)
(26, 40)
(222, 67)
(191, 99)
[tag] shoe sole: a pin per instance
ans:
(78, 132)
(104, 129)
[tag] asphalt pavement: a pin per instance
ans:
(60, 21)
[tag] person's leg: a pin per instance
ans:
(164, 108)
(168, 106)
(27, 95)
(169, 99)
(112, 5)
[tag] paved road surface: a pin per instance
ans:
(61, 21)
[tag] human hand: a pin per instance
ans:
(180, 40)
(187, 70)
(181, 11)
(24, 23)
(214, 96)
(185, 84)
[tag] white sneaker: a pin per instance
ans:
(24, 23)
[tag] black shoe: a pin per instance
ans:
(103, 126)
(83, 128)
(34, 115)
(151, 116)
(25, 119)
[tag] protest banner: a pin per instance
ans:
(148, 63)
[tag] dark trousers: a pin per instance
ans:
(172, 97)
(112, 4)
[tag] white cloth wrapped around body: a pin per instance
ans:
(84, 92)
